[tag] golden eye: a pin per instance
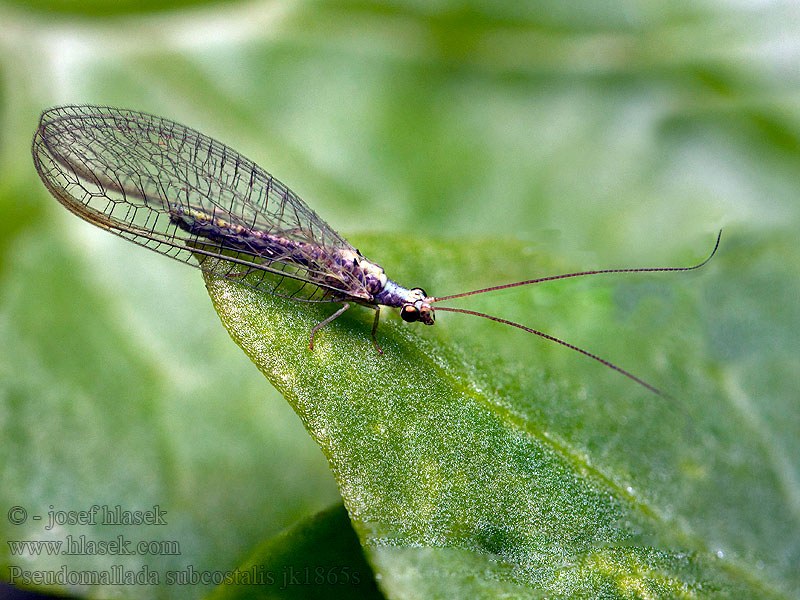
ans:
(409, 313)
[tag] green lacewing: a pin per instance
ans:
(183, 194)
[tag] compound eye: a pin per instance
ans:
(409, 313)
(421, 291)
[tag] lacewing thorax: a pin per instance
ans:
(174, 190)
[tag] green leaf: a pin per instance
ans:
(456, 483)
(319, 557)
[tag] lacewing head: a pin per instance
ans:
(418, 308)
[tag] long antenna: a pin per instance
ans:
(557, 341)
(567, 275)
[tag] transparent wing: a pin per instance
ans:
(180, 193)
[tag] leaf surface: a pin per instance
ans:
(456, 487)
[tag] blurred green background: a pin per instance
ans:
(602, 133)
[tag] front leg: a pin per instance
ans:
(338, 313)
(375, 328)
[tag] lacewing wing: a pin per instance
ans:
(183, 194)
